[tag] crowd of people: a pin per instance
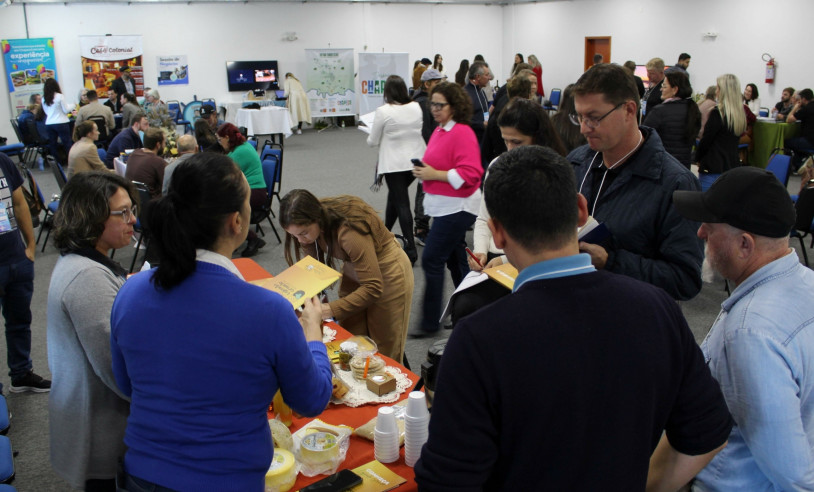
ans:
(645, 407)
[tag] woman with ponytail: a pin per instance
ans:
(201, 352)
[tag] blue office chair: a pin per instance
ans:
(553, 102)
(779, 165)
(177, 114)
(270, 170)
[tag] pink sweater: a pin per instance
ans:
(455, 149)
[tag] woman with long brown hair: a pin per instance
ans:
(56, 121)
(376, 290)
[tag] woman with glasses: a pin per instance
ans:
(718, 149)
(87, 410)
(245, 156)
(397, 132)
(451, 173)
(201, 352)
(522, 122)
(677, 119)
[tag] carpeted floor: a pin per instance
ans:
(328, 163)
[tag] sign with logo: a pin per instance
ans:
(104, 57)
(374, 68)
(29, 63)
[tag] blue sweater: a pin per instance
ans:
(201, 363)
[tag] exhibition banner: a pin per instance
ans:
(173, 70)
(103, 57)
(374, 68)
(29, 63)
(329, 84)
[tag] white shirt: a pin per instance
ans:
(397, 131)
(57, 113)
(207, 256)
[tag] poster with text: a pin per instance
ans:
(29, 63)
(374, 68)
(173, 70)
(330, 86)
(103, 57)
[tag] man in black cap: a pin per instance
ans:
(210, 114)
(123, 85)
(761, 347)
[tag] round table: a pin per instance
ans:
(269, 120)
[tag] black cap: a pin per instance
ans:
(426, 61)
(206, 110)
(124, 69)
(747, 198)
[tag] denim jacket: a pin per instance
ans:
(761, 351)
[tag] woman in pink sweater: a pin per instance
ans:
(451, 172)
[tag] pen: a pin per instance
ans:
(471, 254)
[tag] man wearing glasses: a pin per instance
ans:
(628, 179)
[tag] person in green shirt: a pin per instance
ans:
(246, 158)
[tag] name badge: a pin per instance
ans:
(5, 223)
(485, 116)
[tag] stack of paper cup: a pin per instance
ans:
(416, 427)
(386, 436)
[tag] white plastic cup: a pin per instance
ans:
(417, 405)
(386, 421)
(385, 446)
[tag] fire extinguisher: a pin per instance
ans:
(769, 68)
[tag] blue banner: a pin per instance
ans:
(29, 63)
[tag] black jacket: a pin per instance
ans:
(718, 150)
(669, 120)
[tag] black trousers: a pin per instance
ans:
(398, 204)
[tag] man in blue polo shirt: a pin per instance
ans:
(17, 279)
(580, 376)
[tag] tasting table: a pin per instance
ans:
(769, 135)
(269, 120)
(360, 450)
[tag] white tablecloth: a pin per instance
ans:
(264, 121)
(232, 107)
(119, 166)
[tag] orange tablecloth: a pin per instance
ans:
(360, 450)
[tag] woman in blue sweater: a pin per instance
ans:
(200, 352)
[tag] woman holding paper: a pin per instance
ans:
(522, 122)
(201, 352)
(397, 132)
(376, 290)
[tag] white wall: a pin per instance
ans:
(211, 34)
(640, 30)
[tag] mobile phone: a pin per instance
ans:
(338, 482)
(417, 162)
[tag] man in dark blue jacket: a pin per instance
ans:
(128, 138)
(479, 75)
(628, 179)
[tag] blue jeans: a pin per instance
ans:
(16, 289)
(61, 131)
(801, 147)
(444, 246)
(135, 484)
(707, 179)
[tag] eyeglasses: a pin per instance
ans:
(127, 213)
(438, 106)
(592, 123)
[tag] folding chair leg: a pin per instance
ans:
(47, 235)
(803, 247)
(274, 230)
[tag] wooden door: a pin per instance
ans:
(594, 45)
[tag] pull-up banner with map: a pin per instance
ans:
(374, 68)
(29, 63)
(329, 83)
(103, 57)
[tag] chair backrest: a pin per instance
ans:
(20, 137)
(554, 97)
(102, 154)
(805, 210)
(39, 197)
(763, 112)
(59, 173)
(779, 165)
(174, 108)
(101, 124)
(144, 198)
(276, 151)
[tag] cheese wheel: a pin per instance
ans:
(281, 474)
(319, 447)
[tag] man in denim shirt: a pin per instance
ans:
(761, 347)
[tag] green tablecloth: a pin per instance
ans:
(768, 136)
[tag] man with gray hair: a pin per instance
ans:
(761, 347)
(187, 147)
(655, 76)
(479, 76)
